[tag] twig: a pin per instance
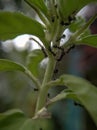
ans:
(43, 49)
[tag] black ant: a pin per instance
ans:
(51, 51)
(35, 89)
(40, 129)
(63, 36)
(73, 46)
(70, 19)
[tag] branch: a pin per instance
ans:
(74, 37)
(43, 49)
(40, 14)
(33, 78)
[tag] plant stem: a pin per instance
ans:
(34, 79)
(44, 89)
(79, 32)
(59, 97)
(40, 14)
(74, 38)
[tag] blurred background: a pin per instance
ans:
(17, 90)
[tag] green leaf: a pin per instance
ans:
(38, 124)
(77, 24)
(67, 8)
(85, 92)
(90, 40)
(38, 4)
(7, 65)
(64, 94)
(11, 120)
(27, 125)
(16, 120)
(14, 24)
(33, 61)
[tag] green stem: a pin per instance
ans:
(52, 83)
(44, 89)
(57, 98)
(62, 95)
(79, 32)
(34, 79)
(74, 37)
(40, 14)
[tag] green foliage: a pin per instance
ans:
(12, 120)
(34, 58)
(70, 8)
(79, 90)
(13, 24)
(38, 5)
(85, 92)
(7, 65)
(36, 124)
(56, 16)
(77, 24)
(90, 40)
(15, 119)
